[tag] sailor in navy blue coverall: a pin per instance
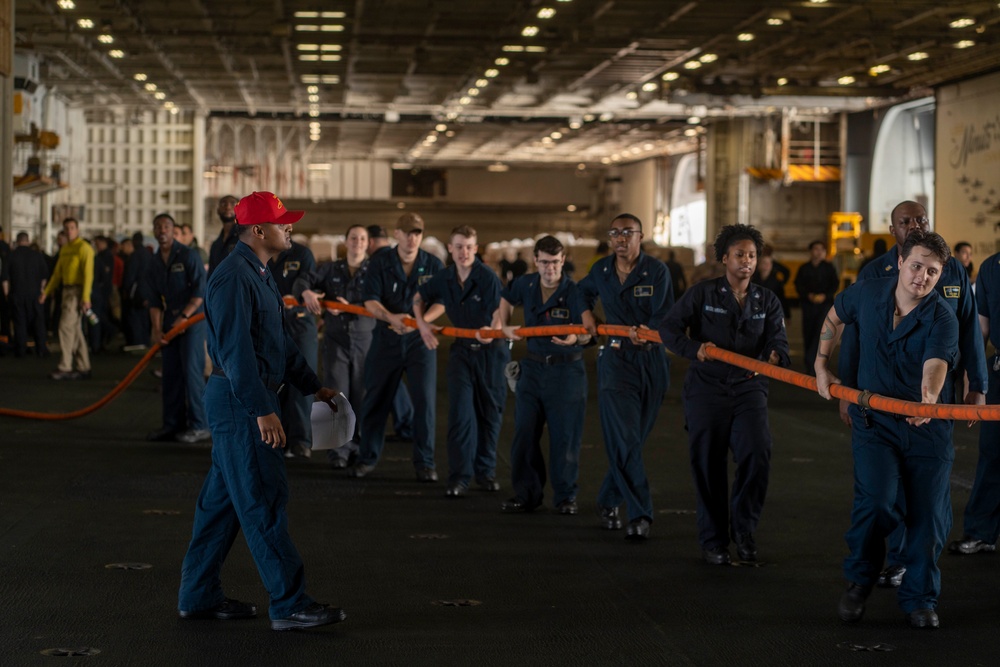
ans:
(725, 407)
(469, 293)
(953, 286)
(247, 487)
(982, 513)
(346, 337)
(391, 283)
(632, 375)
(296, 408)
(176, 286)
(552, 386)
(908, 344)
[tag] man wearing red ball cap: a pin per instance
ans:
(246, 487)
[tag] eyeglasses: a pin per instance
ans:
(623, 233)
(544, 263)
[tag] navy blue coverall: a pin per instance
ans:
(552, 388)
(477, 389)
(892, 457)
(631, 379)
(246, 486)
(26, 270)
(346, 337)
(296, 408)
(391, 354)
(171, 286)
(725, 407)
(982, 513)
(954, 287)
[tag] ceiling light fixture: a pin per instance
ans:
(690, 132)
(670, 76)
(649, 86)
(116, 53)
(330, 78)
(314, 113)
(708, 58)
(546, 13)
(529, 31)
(692, 64)
(963, 22)
(312, 89)
(314, 124)
(309, 57)
(150, 87)
(575, 124)
(817, 2)
(535, 49)
(631, 95)
(330, 58)
(332, 27)
(482, 83)
(918, 55)
(964, 44)
(782, 81)
(694, 120)
(314, 98)
(86, 24)
(556, 135)
(510, 48)
(878, 69)
(105, 38)
(490, 73)
(473, 92)
(307, 27)
(66, 4)
(160, 95)
(306, 15)
(307, 47)
(500, 62)
(440, 127)
(331, 47)
(333, 15)
(139, 76)
(465, 100)
(745, 36)
(845, 80)
(775, 21)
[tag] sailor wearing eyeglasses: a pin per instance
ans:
(552, 386)
(632, 375)
(906, 218)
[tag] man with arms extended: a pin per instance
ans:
(469, 292)
(953, 286)
(908, 344)
(246, 487)
(392, 281)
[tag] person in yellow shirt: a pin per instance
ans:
(74, 273)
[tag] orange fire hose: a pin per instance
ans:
(864, 398)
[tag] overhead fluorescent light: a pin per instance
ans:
(529, 30)
(546, 13)
(86, 24)
(498, 167)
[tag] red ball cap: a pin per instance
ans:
(262, 208)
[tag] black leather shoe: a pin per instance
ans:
(359, 470)
(456, 490)
(227, 610)
(716, 556)
(162, 435)
(610, 518)
(746, 548)
(516, 506)
(970, 545)
(568, 507)
(638, 529)
(312, 616)
(427, 475)
(852, 603)
(488, 484)
(924, 618)
(891, 577)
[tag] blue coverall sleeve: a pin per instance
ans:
(774, 331)
(662, 301)
(970, 337)
(196, 275)
(674, 327)
(514, 293)
(432, 290)
(846, 304)
(943, 340)
(297, 370)
(588, 289)
(231, 315)
(374, 278)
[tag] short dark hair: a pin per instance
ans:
(20, 236)
(377, 232)
(357, 226)
(628, 216)
(186, 226)
(929, 240)
(243, 230)
(66, 221)
(962, 245)
(463, 230)
(165, 215)
(550, 245)
(731, 234)
(816, 243)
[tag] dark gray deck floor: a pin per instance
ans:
(554, 590)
